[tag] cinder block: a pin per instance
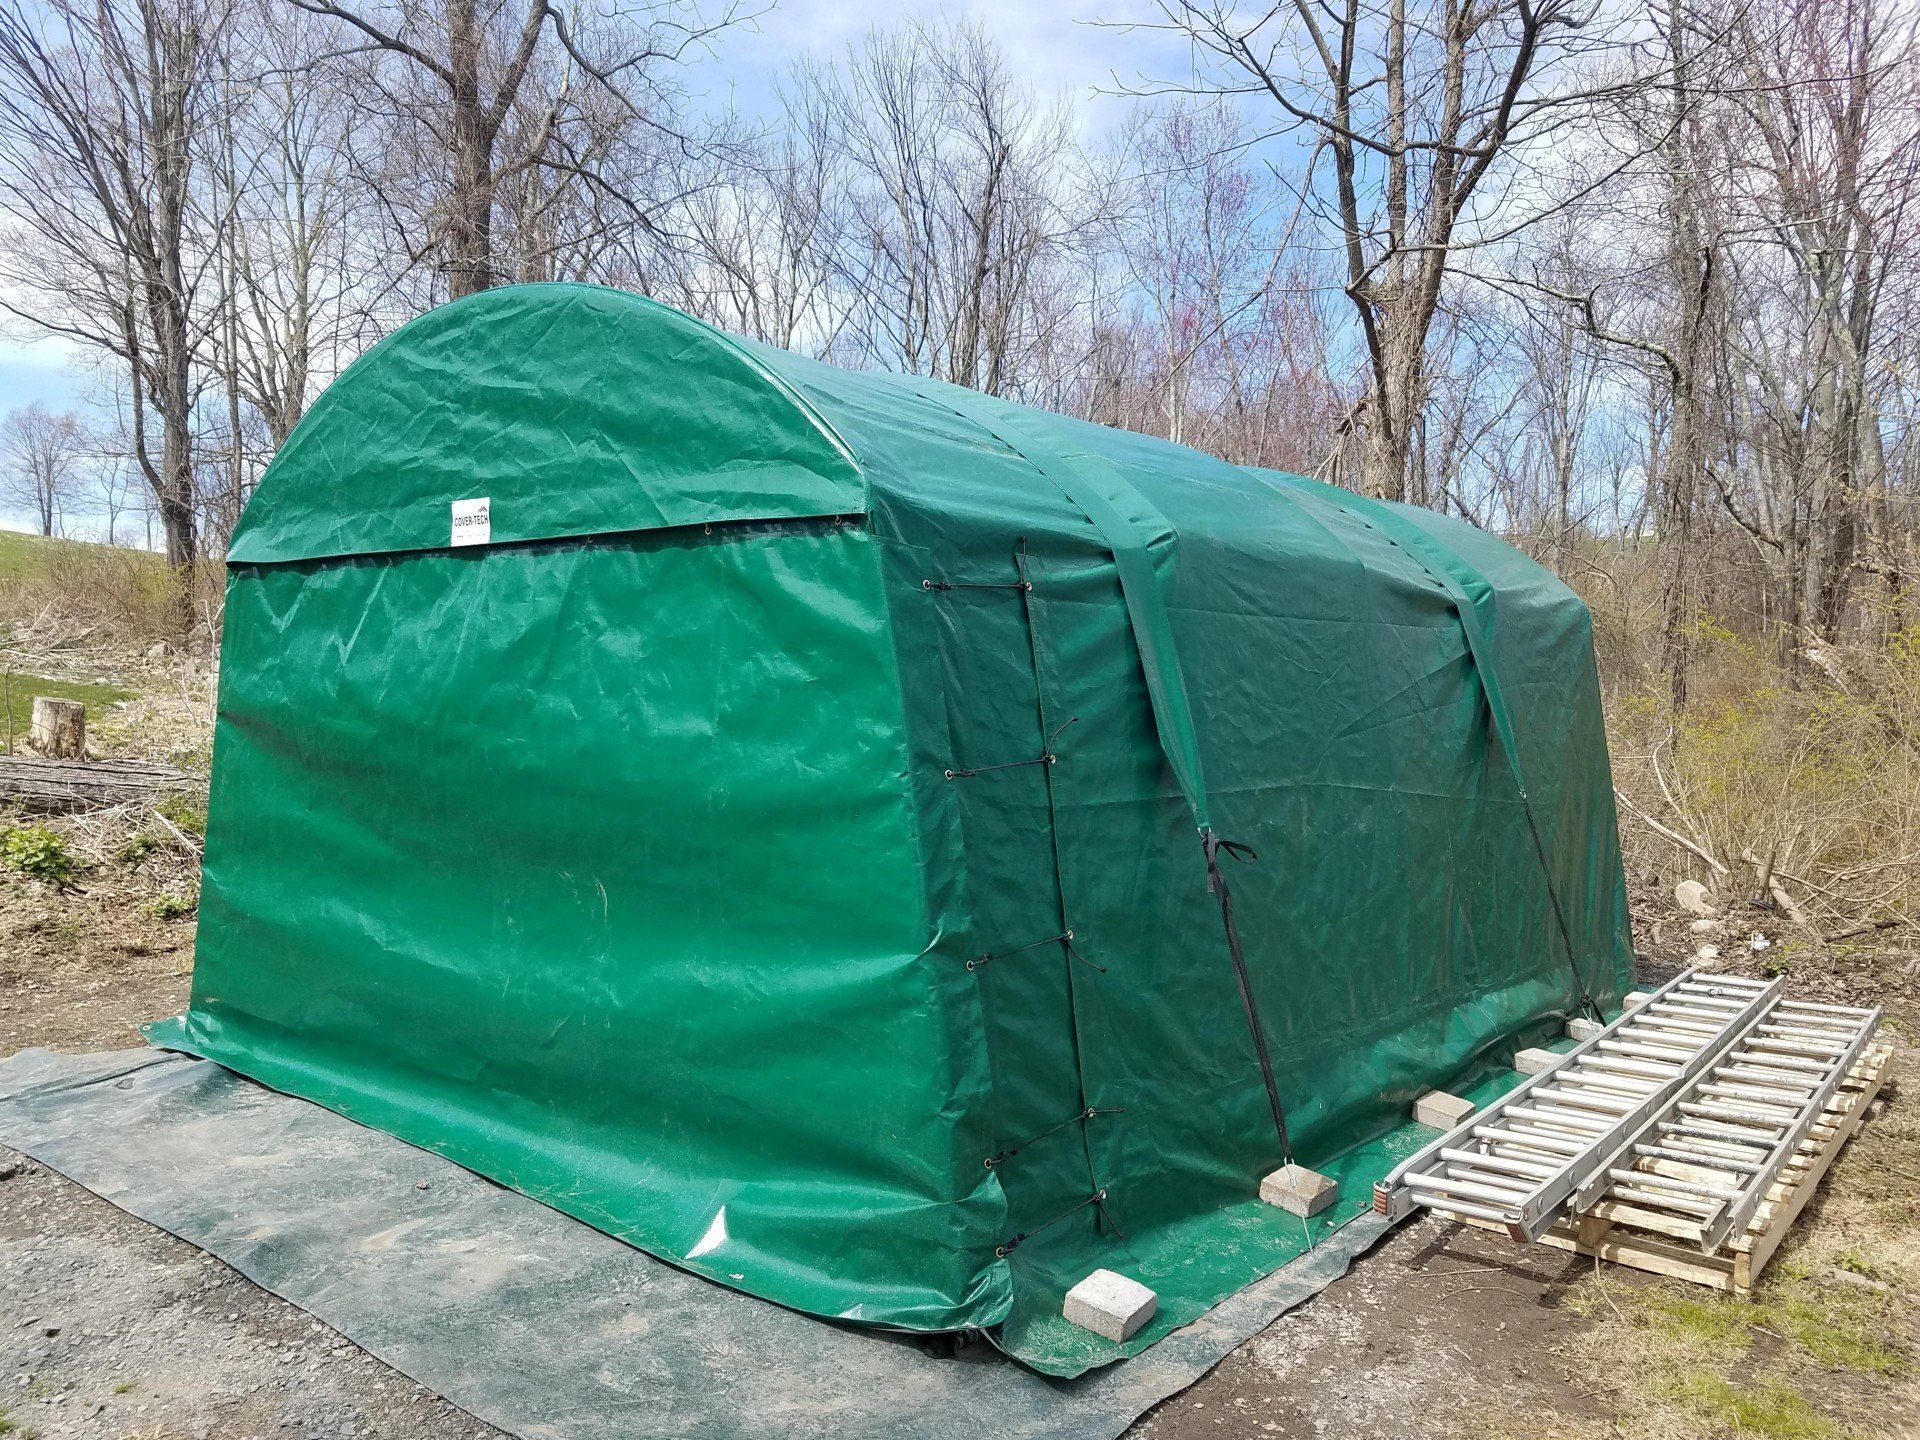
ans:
(1581, 1028)
(1441, 1110)
(1296, 1188)
(1636, 998)
(1110, 1304)
(1532, 1062)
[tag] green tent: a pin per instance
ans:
(868, 842)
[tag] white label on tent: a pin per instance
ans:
(472, 521)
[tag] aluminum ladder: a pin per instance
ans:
(1557, 1142)
(1708, 1162)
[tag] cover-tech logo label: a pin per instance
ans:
(472, 521)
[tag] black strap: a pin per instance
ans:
(1212, 845)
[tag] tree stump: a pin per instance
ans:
(59, 728)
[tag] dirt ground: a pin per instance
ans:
(112, 1330)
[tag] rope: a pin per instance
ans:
(1065, 937)
(1099, 1198)
(1084, 1115)
(1048, 758)
(975, 585)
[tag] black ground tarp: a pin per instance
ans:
(534, 1322)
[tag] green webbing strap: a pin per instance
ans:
(1131, 527)
(1454, 574)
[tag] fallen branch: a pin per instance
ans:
(1668, 833)
(1869, 929)
(64, 787)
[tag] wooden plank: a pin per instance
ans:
(1759, 1248)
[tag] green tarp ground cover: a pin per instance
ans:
(773, 836)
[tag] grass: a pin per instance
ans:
(1770, 1410)
(1813, 1355)
(16, 700)
(33, 557)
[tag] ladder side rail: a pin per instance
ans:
(1741, 1212)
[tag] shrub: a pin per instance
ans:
(39, 853)
(171, 907)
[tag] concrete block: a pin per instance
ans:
(1296, 1188)
(1532, 1062)
(1581, 1028)
(1110, 1304)
(1637, 998)
(1441, 1110)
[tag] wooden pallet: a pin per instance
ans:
(1627, 1235)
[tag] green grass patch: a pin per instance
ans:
(33, 557)
(1841, 1336)
(1772, 1411)
(185, 813)
(16, 700)
(171, 907)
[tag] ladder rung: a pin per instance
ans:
(1556, 1116)
(1780, 1062)
(1446, 1185)
(1528, 1169)
(1654, 1199)
(1710, 1130)
(1559, 1144)
(1757, 1099)
(1853, 1010)
(1728, 1112)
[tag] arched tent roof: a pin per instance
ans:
(579, 410)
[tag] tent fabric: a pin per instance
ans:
(781, 848)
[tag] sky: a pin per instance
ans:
(1056, 47)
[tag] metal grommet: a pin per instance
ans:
(949, 774)
(926, 584)
(1069, 934)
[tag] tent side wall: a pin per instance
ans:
(1396, 921)
(588, 862)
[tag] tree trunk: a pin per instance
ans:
(470, 224)
(59, 728)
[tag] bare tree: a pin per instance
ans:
(42, 452)
(1416, 106)
(102, 107)
(971, 211)
(460, 69)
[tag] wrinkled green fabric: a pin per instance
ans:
(689, 857)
